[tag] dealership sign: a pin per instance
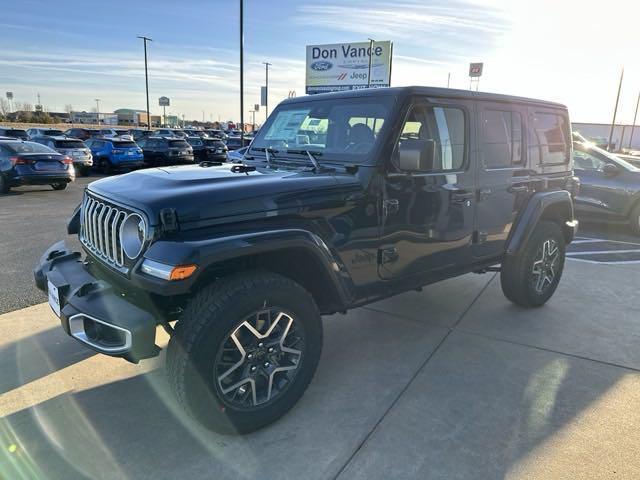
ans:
(164, 101)
(345, 66)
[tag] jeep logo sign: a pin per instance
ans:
(321, 66)
(345, 66)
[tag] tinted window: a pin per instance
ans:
(69, 144)
(443, 125)
(52, 132)
(501, 138)
(124, 144)
(15, 133)
(549, 138)
(97, 144)
(213, 143)
(196, 142)
(178, 144)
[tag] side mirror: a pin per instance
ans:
(416, 155)
(610, 170)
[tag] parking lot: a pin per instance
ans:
(451, 382)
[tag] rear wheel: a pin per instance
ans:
(634, 219)
(244, 351)
(4, 184)
(59, 186)
(106, 166)
(530, 278)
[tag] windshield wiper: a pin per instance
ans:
(311, 156)
(268, 152)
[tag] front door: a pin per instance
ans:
(428, 216)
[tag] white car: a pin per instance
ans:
(39, 132)
(116, 133)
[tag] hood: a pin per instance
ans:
(205, 193)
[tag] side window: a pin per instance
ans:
(549, 138)
(445, 126)
(501, 138)
(586, 161)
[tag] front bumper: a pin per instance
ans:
(92, 312)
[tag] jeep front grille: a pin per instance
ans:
(100, 230)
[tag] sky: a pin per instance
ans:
(72, 52)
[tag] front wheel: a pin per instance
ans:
(244, 351)
(106, 166)
(530, 278)
(59, 186)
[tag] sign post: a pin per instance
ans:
(348, 66)
(164, 102)
(475, 72)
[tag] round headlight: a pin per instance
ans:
(132, 235)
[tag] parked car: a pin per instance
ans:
(116, 133)
(167, 151)
(234, 143)
(609, 186)
(140, 133)
(236, 155)
(165, 132)
(110, 154)
(411, 186)
(192, 132)
(215, 133)
(37, 132)
(14, 133)
(73, 148)
(30, 163)
(82, 133)
(205, 148)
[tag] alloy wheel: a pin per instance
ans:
(259, 359)
(545, 266)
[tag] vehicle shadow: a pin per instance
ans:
(37, 356)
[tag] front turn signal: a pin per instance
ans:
(182, 271)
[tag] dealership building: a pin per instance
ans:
(599, 133)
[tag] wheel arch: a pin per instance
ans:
(555, 206)
(296, 254)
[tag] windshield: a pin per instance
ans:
(124, 144)
(615, 159)
(338, 128)
(69, 144)
(28, 147)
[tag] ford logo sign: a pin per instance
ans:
(321, 66)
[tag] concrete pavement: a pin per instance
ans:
(453, 382)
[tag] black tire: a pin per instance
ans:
(4, 185)
(634, 219)
(84, 171)
(520, 282)
(105, 166)
(202, 335)
(59, 186)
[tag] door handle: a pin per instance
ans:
(461, 196)
(518, 188)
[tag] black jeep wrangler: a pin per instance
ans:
(342, 199)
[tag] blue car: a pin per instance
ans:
(110, 154)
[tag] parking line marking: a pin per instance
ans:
(597, 240)
(609, 241)
(612, 262)
(596, 252)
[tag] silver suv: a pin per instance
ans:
(73, 148)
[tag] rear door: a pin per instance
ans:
(503, 179)
(428, 217)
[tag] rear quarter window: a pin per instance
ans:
(549, 138)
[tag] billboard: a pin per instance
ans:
(475, 70)
(345, 66)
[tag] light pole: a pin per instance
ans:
(242, 73)
(266, 90)
(146, 77)
(97, 109)
(635, 115)
(371, 40)
(615, 111)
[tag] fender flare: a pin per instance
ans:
(528, 220)
(209, 252)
